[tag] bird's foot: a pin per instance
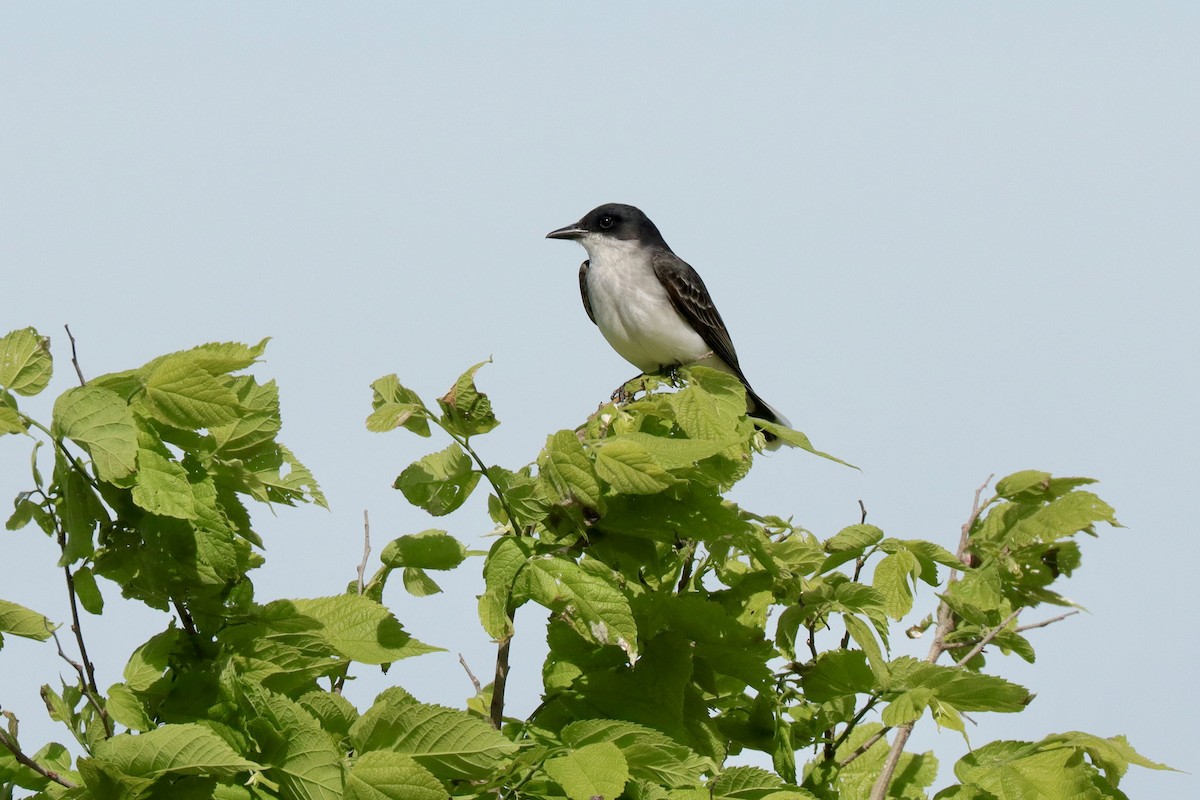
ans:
(624, 393)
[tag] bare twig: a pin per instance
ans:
(75, 357)
(471, 675)
(362, 567)
(945, 622)
(1046, 622)
(850, 727)
(500, 681)
(992, 634)
(11, 745)
(863, 519)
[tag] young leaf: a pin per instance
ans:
(25, 362)
(431, 549)
(162, 486)
(590, 771)
(452, 744)
(182, 393)
(568, 469)
(361, 629)
(650, 754)
(299, 755)
(592, 605)
(20, 621)
(89, 593)
(396, 406)
(440, 482)
(183, 749)
(466, 411)
(383, 775)
(100, 421)
(894, 577)
(630, 469)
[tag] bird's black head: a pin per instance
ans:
(615, 221)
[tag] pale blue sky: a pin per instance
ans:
(949, 240)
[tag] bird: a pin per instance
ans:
(650, 305)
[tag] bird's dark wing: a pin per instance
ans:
(583, 290)
(693, 302)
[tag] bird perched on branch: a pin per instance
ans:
(651, 306)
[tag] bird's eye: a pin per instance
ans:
(607, 221)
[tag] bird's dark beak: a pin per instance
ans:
(572, 231)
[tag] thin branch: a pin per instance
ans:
(865, 746)
(1046, 622)
(11, 745)
(471, 675)
(90, 693)
(863, 519)
(945, 622)
(850, 727)
(362, 567)
(500, 681)
(992, 634)
(75, 357)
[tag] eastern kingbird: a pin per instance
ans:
(651, 306)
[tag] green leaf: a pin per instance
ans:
(591, 771)
(383, 775)
(960, 688)
(431, 549)
(1023, 771)
(452, 744)
(591, 604)
(126, 709)
(185, 749)
(418, 583)
(797, 439)
(651, 755)
(162, 487)
(466, 411)
(1035, 485)
(894, 578)
(180, 392)
(1071, 513)
(79, 509)
(856, 538)
(568, 469)
(220, 357)
(299, 754)
(630, 469)
(1113, 754)
(396, 406)
(440, 482)
(838, 673)
(148, 663)
(101, 422)
(20, 621)
(25, 362)
(10, 420)
(360, 628)
(88, 592)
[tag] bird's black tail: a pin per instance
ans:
(761, 409)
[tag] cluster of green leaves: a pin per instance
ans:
(683, 629)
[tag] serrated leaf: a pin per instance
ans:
(797, 439)
(568, 469)
(183, 749)
(1022, 771)
(1111, 754)
(856, 538)
(431, 549)
(361, 629)
(395, 405)
(452, 744)
(10, 421)
(630, 469)
(21, 621)
(297, 752)
(440, 482)
(148, 662)
(25, 362)
(591, 604)
(162, 486)
(418, 583)
(591, 771)
(838, 673)
(960, 688)
(101, 422)
(384, 775)
(126, 709)
(180, 392)
(894, 577)
(466, 411)
(650, 754)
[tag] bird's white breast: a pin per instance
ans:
(633, 310)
